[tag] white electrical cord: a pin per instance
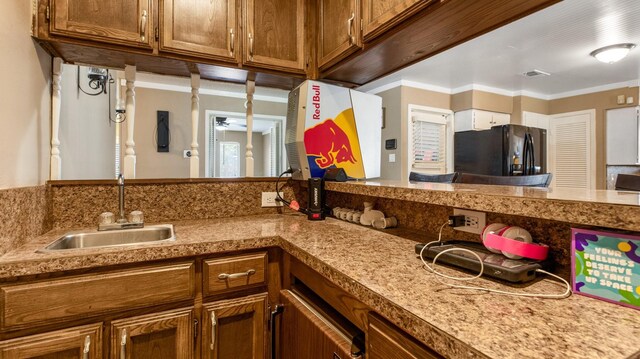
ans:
(566, 293)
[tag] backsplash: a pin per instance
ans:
(428, 218)
(79, 204)
(24, 215)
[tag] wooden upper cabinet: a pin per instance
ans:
(380, 15)
(235, 328)
(340, 33)
(274, 34)
(122, 22)
(202, 28)
(74, 343)
(166, 335)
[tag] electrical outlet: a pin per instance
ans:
(269, 199)
(474, 221)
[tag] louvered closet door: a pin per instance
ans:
(572, 150)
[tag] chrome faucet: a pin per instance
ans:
(121, 222)
(122, 218)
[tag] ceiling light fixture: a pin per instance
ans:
(612, 53)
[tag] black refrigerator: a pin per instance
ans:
(508, 150)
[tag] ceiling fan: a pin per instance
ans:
(221, 123)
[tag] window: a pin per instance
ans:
(229, 159)
(429, 142)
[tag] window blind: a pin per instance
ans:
(428, 145)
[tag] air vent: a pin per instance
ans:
(534, 73)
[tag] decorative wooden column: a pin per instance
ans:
(194, 161)
(55, 162)
(130, 105)
(251, 88)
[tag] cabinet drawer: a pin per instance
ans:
(386, 342)
(233, 273)
(66, 343)
(47, 301)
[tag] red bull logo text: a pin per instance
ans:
(329, 143)
(316, 102)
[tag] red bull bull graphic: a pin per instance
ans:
(331, 130)
(334, 142)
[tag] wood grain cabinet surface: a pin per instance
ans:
(122, 22)
(166, 335)
(45, 302)
(235, 328)
(381, 15)
(83, 342)
(234, 273)
(340, 32)
(384, 341)
(274, 34)
(200, 28)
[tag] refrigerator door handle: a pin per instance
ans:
(525, 156)
(532, 155)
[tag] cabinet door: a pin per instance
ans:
(622, 136)
(340, 34)
(380, 15)
(166, 335)
(122, 22)
(307, 333)
(74, 343)
(482, 120)
(235, 328)
(199, 28)
(386, 342)
(274, 34)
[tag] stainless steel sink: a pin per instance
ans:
(116, 238)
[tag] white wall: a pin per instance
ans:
(87, 138)
(25, 100)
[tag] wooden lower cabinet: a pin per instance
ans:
(235, 328)
(307, 333)
(83, 342)
(384, 341)
(165, 335)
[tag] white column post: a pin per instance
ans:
(194, 168)
(130, 153)
(55, 162)
(251, 87)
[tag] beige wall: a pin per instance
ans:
(601, 102)
(391, 101)
(153, 164)
(396, 102)
(481, 100)
(25, 100)
(528, 104)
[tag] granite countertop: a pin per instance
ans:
(382, 271)
(602, 208)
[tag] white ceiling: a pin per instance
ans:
(556, 40)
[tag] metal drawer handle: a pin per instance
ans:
(352, 40)
(224, 276)
(123, 344)
(250, 47)
(213, 330)
(231, 42)
(143, 25)
(87, 347)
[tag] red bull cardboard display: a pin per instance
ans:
(342, 129)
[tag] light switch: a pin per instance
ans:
(621, 100)
(630, 100)
(392, 157)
